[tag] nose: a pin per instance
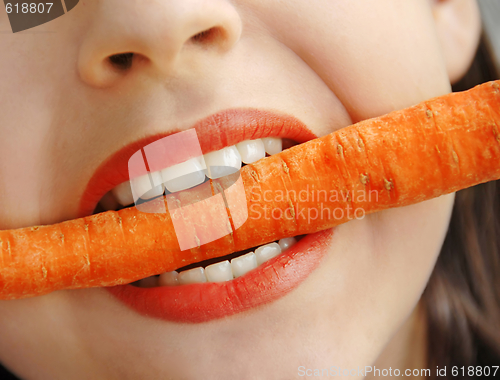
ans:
(151, 36)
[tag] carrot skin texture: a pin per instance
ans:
(434, 148)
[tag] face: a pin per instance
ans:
(64, 110)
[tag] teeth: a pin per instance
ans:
(192, 276)
(142, 187)
(168, 279)
(184, 175)
(223, 271)
(123, 194)
(219, 272)
(273, 145)
(192, 172)
(243, 264)
(267, 252)
(287, 243)
(222, 162)
(251, 150)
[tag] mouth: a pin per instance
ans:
(208, 301)
(227, 285)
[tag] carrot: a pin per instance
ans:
(437, 147)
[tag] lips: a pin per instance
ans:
(215, 132)
(196, 303)
(203, 302)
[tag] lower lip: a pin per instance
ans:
(196, 303)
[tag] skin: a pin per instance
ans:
(328, 63)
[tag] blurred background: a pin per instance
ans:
(490, 13)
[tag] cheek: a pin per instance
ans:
(375, 56)
(394, 253)
(409, 240)
(377, 270)
(37, 337)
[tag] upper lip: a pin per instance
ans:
(214, 132)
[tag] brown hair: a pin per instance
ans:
(462, 298)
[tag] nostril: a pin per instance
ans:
(122, 61)
(207, 36)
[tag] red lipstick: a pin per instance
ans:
(196, 303)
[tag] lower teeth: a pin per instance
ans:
(220, 271)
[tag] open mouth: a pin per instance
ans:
(174, 179)
(204, 290)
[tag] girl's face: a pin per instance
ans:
(64, 110)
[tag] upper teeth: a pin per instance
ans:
(192, 172)
(251, 150)
(184, 175)
(223, 162)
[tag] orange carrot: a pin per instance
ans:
(434, 148)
